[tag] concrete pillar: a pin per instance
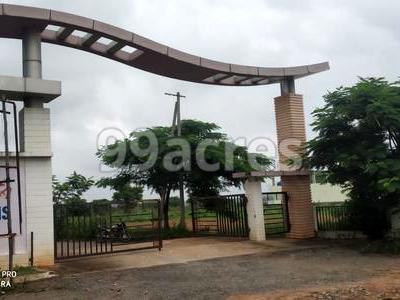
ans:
(32, 61)
(255, 215)
(291, 132)
(39, 208)
(35, 157)
(34, 126)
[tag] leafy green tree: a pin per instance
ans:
(128, 196)
(101, 201)
(71, 191)
(59, 191)
(357, 143)
(174, 201)
(189, 166)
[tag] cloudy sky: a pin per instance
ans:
(358, 38)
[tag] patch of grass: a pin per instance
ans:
(383, 247)
(176, 232)
(21, 270)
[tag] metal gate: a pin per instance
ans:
(220, 215)
(100, 228)
(10, 181)
(276, 213)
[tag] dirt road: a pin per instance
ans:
(321, 271)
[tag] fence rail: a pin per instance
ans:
(276, 213)
(220, 215)
(93, 229)
(334, 217)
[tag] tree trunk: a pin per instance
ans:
(182, 222)
(166, 209)
(162, 194)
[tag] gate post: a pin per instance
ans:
(254, 208)
(291, 135)
(34, 125)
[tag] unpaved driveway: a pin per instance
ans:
(274, 270)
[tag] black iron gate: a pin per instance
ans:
(100, 228)
(220, 215)
(276, 213)
(10, 178)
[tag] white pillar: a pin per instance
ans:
(255, 214)
(36, 154)
(32, 62)
(34, 123)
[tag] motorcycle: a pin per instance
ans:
(117, 232)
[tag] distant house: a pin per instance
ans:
(321, 191)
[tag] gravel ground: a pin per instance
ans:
(321, 273)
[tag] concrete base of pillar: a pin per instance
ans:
(255, 212)
(37, 213)
(36, 184)
(39, 208)
(36, 144)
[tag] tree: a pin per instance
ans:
(59, 190)
(174, 201)
(357, 143)
(128, 196)
(101, 201)
(174, 159)
(71, 191)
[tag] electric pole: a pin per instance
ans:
(177, 129)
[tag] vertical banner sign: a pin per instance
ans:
(20, 237)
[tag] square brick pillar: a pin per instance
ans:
(291, 132)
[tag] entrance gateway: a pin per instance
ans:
(35, 25)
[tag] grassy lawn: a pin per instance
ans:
(142, 222)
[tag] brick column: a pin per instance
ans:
(291, 134)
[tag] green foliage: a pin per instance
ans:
(320, 177)
(174, 201)
(84, 222)
(335, 217)
(357, 143)
(176, 232)
(73, 228)
(163, 180)
(26, 270)
(100, 202)
(125, 194)
(128, 195)
(71, 191)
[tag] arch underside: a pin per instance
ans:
(137, 51)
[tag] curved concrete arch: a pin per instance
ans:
(148, 55)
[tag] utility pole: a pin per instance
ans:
(177, 129)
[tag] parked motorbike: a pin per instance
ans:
(117, 232)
